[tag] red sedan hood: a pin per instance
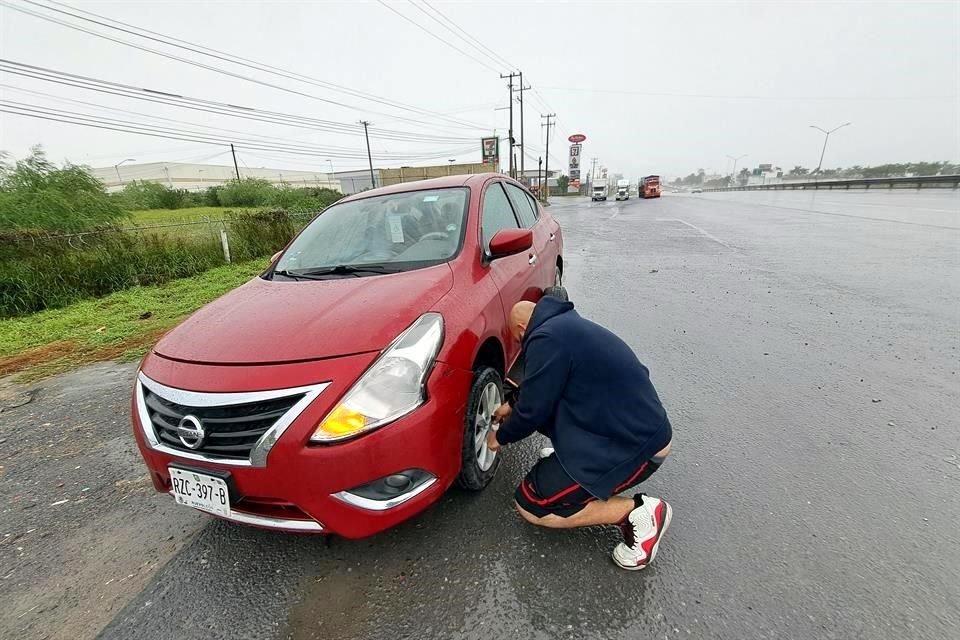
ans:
(272, 321)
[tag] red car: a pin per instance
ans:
(349, 385)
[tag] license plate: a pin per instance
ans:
(200, 491)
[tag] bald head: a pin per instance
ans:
(520, 318)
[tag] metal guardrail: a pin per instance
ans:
(918, 182)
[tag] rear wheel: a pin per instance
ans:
(557, 290)
(479, 464)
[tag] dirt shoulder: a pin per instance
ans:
(81, 528)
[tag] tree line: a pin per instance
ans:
(892, 170)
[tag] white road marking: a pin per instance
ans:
(697, 229)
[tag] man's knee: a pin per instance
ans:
(551, 521)
(663, 453)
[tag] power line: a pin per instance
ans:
(215, 69)
(175, 121)
(81, 119)
(433, 35)
(481, 49)
(209, 106)
(494, 54)
(235, 59)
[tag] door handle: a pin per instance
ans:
(553, 237)
(532, 260)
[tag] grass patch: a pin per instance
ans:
(122, 325)
(173, 216)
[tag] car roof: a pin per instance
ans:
(445, 182)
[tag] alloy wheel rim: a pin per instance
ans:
(483, 423)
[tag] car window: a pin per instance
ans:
(524, 209)
(497, 213)
(397, 232)
(533, 203)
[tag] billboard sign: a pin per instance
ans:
(573, 186)
(573, 164)
(490, 150)
(577, 138)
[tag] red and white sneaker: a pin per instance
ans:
(643, 528)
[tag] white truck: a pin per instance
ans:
(599, 189)
(623, 189)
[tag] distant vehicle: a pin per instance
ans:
(650, 187)
(623, 189)
(696, 191)
(599, 190)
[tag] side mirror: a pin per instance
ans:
(508, 242)
(274, 257)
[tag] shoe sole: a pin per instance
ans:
(656, 545)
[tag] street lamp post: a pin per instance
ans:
(826, 138)
(735, 161)
(116, 167)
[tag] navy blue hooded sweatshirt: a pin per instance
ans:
(584, 387)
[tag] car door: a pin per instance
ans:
(527, 214)
(516, 275)
(545, 229)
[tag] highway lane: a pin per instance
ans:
(807, 350)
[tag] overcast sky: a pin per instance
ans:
(657, 88)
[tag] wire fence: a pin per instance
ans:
(202, 228)
(47, 270)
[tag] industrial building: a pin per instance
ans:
(196, 177)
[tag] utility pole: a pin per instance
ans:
(539, 178)
(366, 134)
(593, 170)
(523, 150)
(511, 76)
(235, 166)
(546, 166)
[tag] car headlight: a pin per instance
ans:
(391, 388)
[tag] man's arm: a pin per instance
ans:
(545, 377)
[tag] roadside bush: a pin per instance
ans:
(254, 192)
(260, 234)
(251, 192)
(137, 196)
(210, 197)
(59, 274)
(36, 194)
(39, 271)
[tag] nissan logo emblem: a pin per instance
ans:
(190, 431)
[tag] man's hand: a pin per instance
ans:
(502, 412)
(492, 443)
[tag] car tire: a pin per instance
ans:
(479, 464)
(557, 290)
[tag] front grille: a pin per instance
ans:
(231, 431)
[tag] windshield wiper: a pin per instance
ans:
(345, 269)
(294, 275)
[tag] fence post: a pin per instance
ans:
(226, 244)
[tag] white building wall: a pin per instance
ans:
(196, 177)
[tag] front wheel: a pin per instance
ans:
(478, 463)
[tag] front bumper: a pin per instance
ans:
(301, 487)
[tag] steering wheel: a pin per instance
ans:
(434, 235)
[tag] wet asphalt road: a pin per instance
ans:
(807, 346)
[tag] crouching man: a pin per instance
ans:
(585, 389)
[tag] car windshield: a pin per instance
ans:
(397, 232)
